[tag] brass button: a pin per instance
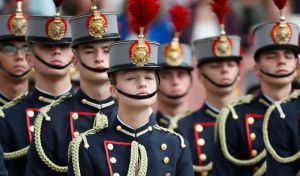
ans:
(168, 174)
(76, 133)
(150, 128)
(110, 146)
(204, 173)
(113, 160)
(254, 153)
(203, 157)
(31, 128)
(199, 128)
(30, 113)
(166, 160)
(201, 142)
(250, 120)
(119, 128)
(116, 174)
(163, 146)
(41, 98)
(83, 101)
(253, 136)
(75, 116)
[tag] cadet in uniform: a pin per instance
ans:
(218, 68)
(67, 118)
(14, 68)
(176, 79)
(281, 124)
(133, 144)
(51, 58)
(241, 150)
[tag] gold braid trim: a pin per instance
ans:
(222, 133)
(159, 128)
(16, 154)
(73, 150)
(262, 170)
(138, 160)
(10, 104)
(266, 139)
(37, 134)
(205, 168)
(174, 121)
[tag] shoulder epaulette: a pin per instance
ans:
(10, 104)
(37, 135)
(266, 139)
(165, 130)
(222, 134)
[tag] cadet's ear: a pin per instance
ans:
(256, 70)
(113, 93)
(28, 58)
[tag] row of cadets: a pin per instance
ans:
(14, 67)
(133, 144)
(176, 74)
(49, 42)
(218, 68)
(281, 125)
(60, 122)
(240, 146)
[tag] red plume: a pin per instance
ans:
(180, 17)
(280, 3)
(143, 11)
(134, 26)
(220, 8)
(57, 3)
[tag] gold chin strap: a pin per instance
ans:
(222, 134)
(266, 139)
(138, 160)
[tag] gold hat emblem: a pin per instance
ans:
(281, 33)
(97, 24)
(140, 52)
(56, 28)
(174, 54)
(17, 24)
(222, 47)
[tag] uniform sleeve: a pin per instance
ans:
(3, 171)
(184, 166)
(35, 166)
(85, 164)
(284, 141)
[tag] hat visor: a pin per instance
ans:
(88, 39)
(218, 59)
(46, 40)
(294, 48)
(9, 38)
(182, 66)
(131, 67)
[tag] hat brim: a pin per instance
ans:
(131, 67)
(8, 38)
(218, 59)
(294, 48)
(183, 66)
(88, 39)
(48, 40)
